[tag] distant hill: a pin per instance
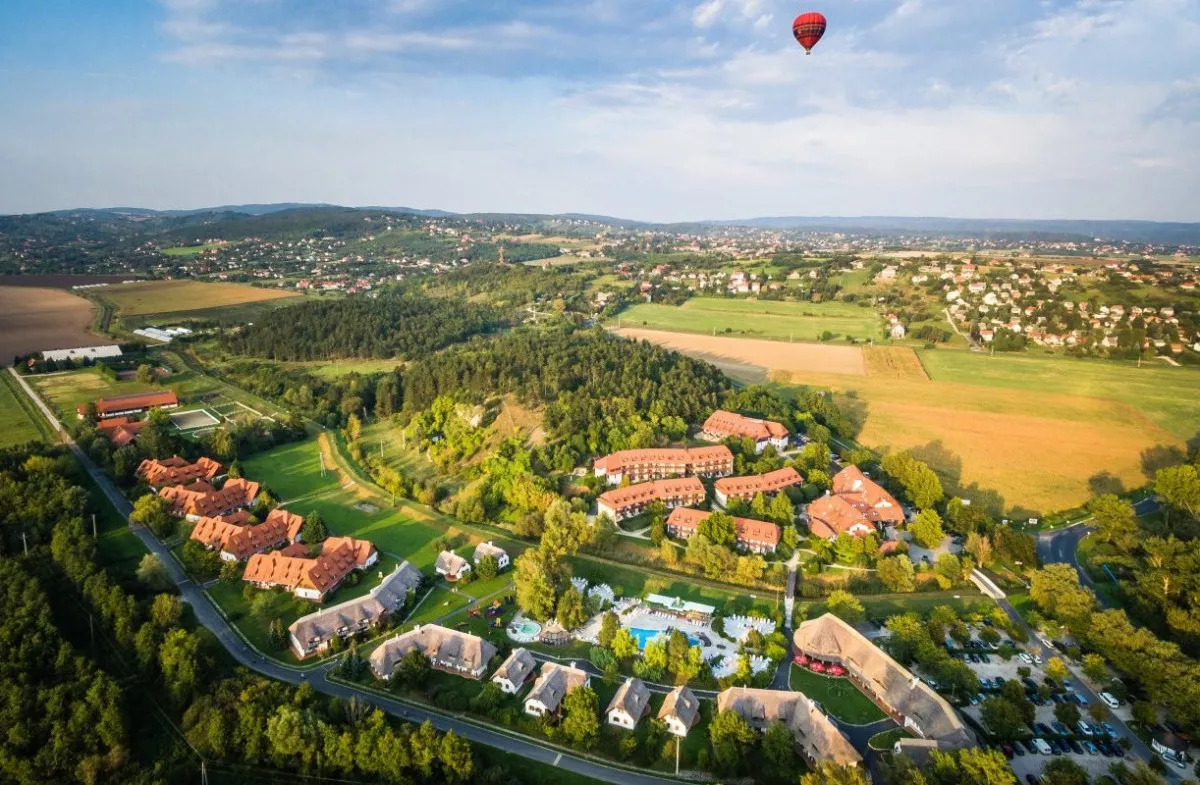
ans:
(1131, 231)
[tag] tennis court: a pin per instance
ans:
(194, 420)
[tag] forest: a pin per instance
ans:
(391, 325)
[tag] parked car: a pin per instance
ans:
(1110, 699)
(1097, 729)
(1007, 750)
(1083, 728)
(1018, 749)
(1059, 728)
(1075, 747)
(1110, 730)
(1043, 729)
(1029, 746)
(1025, 658)
(1042, 747)
(1031, 780)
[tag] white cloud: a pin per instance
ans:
(706, 13)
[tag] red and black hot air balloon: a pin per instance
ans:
(808, 29)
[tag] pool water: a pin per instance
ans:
(529, 628)
(644, 636)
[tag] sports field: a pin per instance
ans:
(780, 321)
(164, 297)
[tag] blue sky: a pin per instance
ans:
(637, 108)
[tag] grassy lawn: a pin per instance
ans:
(839, 696)
(800, 321)
(442, 601)
(332, 369)
(887, 739)
(291, 471)
(17, 416)
(189, 250)
(409, 462)
(118, 546)
(881, 606)
(631, 582)
(166, 297)
(65, 391)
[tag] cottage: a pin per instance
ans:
(121, 431)
(515, 671)
(817, 738)
(237, 543)
(555, 683)
(622, 503)
(489, 549)
(830, 516)
(451, 566)
(680, 711)
(448, 650)
(314, 632)
(630, 703)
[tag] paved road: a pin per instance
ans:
(207, 615)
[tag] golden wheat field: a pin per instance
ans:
(765, 356)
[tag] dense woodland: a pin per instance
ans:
(391, 325)
(559, 289)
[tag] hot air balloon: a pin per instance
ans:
(808, 29)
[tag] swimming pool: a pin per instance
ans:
(644, 636)
(525, 631)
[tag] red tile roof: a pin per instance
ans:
(867, 496)
(646, 492)
(339, 555)
(830, 516)
(240, 541)
(121, 431)
(759, 483)
(177, 471)
(106, 407)
(681, 459)
(292, 522)
(722, 424)
(201, 499)
(685, 519)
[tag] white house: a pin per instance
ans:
(489, 549)
(451, 566)
(554, 684)
(515, 671)
(680, 710)
(629, 705)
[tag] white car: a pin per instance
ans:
(1025, 658)
(1042, 747)
(1110, 700)
(1037, 660)
(1083, 728)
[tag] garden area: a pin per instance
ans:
(838, 696)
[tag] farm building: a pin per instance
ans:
(554, 684)
(314, 632)
(121, 431)
(515, 671)
(817, 738)
(680, 710)
(764, 433)
(756, 536)
(910, 701)
(448, 650)
(746, 488)
(622, 503)
(199, 499)
(124, 405)
(82, 353)
(654, 464)
(310, 578)
(630, 703)
(177, 471)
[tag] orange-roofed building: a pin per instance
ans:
(752, 535)
(746, 488)
(238, 543)
(124, 405)
(177, 471)
(309, 578)
(659, 463)
(724, 425)
(867, 497)
(201, 500)
(121, 431)
(830, 516)
(622, 503)
(291, 522)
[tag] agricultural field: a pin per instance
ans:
(781, 321)
(893, 362)
(35, 319)
(20, 422)
(168, 297)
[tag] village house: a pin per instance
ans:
(555, 683)
(515, 671)
(659, 463)
(752, 535)
(680, 711)
(830, 516)
(448, 650)
(722, 424)
(121, 431)
(622, 503)
(867, 496)
(306, 577)
(177, 471)
(489, 549)
(451, 566)
(746, 488)
(817, 738)
(313, 633)
(236, 543)
(630, 703)
(125, 405)
(199, 499)
(910, 701)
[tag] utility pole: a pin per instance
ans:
(677, 743)
(25, 543)
(203, 774)
(94, 534)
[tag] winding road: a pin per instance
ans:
(207, 615)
